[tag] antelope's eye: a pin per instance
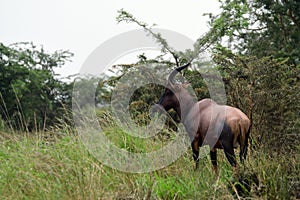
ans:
(169, 92)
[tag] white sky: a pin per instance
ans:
(81, 26)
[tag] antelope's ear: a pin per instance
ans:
(176, 88)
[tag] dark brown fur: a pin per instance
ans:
(219, 126)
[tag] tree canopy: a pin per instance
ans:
(32, 96)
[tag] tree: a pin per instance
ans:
(265, 89)
(260, 28)
(31, 95)
(258, 53)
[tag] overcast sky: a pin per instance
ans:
(81, 26)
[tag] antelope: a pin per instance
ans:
(207, 123)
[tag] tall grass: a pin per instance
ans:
(56, 165)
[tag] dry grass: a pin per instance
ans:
(38, 166)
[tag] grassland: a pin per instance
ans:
(56, 165)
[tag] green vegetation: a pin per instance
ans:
(56, 165)
(254, 45)
(32, 96)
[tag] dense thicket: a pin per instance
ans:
(258, 54)
(32, 97)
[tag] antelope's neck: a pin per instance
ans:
(185, 105)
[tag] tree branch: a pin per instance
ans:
(128, 18)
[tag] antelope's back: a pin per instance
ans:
(213, 116)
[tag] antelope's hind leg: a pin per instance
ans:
(213, 158)
(195, 148)
(229, 152)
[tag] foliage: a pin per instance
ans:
(58, 166)
(265, 89)
(200, 46)
(258, 56)
(260, 28)
(165, 47)
(31, 95)
(279, 36)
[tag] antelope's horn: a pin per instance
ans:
(175, 71)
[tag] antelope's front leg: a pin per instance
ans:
(213, 158)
